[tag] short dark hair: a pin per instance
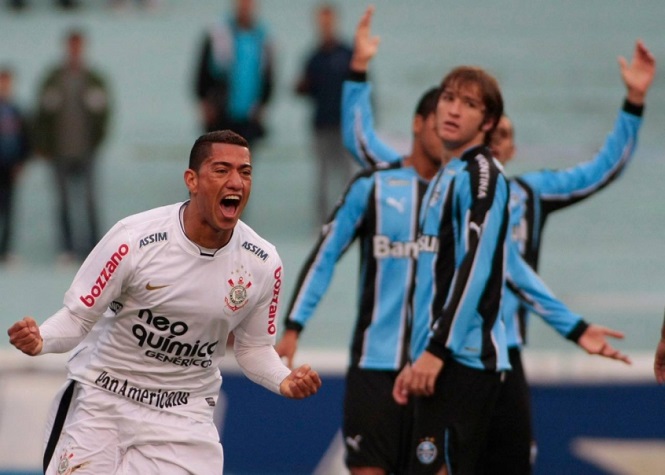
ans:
(203, 145)
(427, 103)
(489, 91)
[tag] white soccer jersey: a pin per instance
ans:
(165, 310)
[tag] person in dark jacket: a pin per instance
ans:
(234, 77)
(320, 80)
(71, 124)
(14, 150)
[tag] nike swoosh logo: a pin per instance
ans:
(155, 287)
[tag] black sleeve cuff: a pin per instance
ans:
(633, 109)
(291, 325)
(437, 349)
(576, 332)
(358, 76)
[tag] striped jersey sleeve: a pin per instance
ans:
(536, 194)
(381, 212)
(358, 132)
(559, 188)
(523, 281)
(337, 235)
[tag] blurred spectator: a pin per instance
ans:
(21, 4)
(324, 71)
(234, 78)
(14, 151)
(17, 4)
(71, 124)
(144, 4)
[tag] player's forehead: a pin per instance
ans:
(228, 155)
(467, 89)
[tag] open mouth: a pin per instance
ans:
(230, 205)
(448, 125)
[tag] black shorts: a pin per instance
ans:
(376, 428)
(510, 444)
(451, 426)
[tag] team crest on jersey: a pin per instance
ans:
(237, 297)
(426, 451)
(65, 466)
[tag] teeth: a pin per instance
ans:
(232, 197)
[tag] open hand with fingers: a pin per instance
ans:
(365, 45)
(639, 73)
(594, 341)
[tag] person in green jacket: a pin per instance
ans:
(72, 117)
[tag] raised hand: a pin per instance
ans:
(639, 73)
(365, 45)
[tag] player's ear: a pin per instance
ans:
(191, 180)
(488, 124)
(418, 124)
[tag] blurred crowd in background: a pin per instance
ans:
(232, 85)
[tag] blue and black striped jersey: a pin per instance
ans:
(358, 132)
(461, 264)
(533, 195)
(380, 210)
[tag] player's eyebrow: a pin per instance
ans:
(222, 163)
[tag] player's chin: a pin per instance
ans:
(227, 223)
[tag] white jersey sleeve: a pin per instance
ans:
(96, 284)
(253, 345)
(261, 364)
(102, 275)
(63, 331)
